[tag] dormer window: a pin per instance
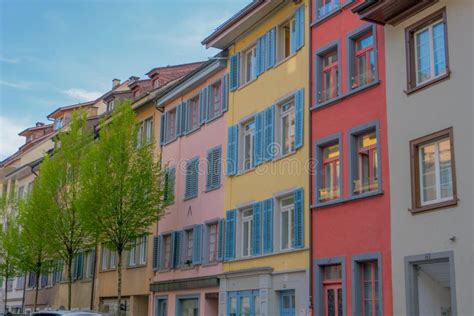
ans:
(58, 123)
(156, 83)
(110, 105)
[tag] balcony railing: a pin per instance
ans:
(362, 79)
(326, 194)
(365, 186)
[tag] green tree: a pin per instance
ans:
(124, 186)
(58, 191)
(9, 242)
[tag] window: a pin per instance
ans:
(171, 125)
(326, 7)
(330, 173)
(365, 159)
(249, 64)
(193, 114)
(192, 178)
(328, 74)
(248, 147)
(213, 242)
(332, 290)
(31, 280)
(89, 264)
(188, 307)
(170, 180)
(287, 222)
(148, 130)
(247, 219)
(137, 252)
(10, 283)
(362, 68)
(287, 123)
(427, 50)
(58, 123)
(286, 31)
(156, 83)
(108, 259)
(20, 282)
(369, 289)
(161, 307)
(167, 252)
(243, 303)
(188, 250)
(215, 106)
(430, 284)
(287, 303)
(110, 105)
(213, 179)
(433, 171)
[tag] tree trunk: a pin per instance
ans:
(119, 282)
(94, 263)
(69, 283)
(36, 289)
(6, 290)
(24, 293)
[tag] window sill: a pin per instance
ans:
(221, 114)
(108, 270)
(282, 61)
(190, 197)
(210, 264)
(283, 156)
(427, 84)
(241, 172)
(192, 131)
(142, 265)
(170, 141)
(212, 189)
(246, 84)
(328, 15)
(346, 200)
(434, 206)
(164, 270)
(342, 97)
(292, 250)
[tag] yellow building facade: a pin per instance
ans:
(266, 271)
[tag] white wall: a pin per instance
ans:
(432, 296)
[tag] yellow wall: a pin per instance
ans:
(274, 84)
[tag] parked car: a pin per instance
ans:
(68, 313)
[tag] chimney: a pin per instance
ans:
(115, 83)
(38, 124)
(133, 78)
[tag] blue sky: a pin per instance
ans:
(55, 52)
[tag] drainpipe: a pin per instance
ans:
(310, 178)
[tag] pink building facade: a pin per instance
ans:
(187, 256)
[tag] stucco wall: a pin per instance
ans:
(446, 104)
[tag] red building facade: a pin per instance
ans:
(350, 229)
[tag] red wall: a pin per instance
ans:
(358, 226)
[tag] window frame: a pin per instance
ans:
(319, 5)
(281, 45)
(212, 103)
(415, 171)
(318, 72)
(242, 153)
(353, 136)
(180, 298)
(249, 220)
(319, 265)
(410, 41)
(207, 252)
(352, 39)
(169, 138)
(356, 262)
(279, 124)
(158, 301)
(291, 222)
(411, 284)
(193, 101)
(243, 64)
(320, 145)
(163, 266)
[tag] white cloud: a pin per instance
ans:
(81, 94)
(16, 85)
(9, 60)
(9, 139)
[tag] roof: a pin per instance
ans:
(35, 128)
(32, 165)
(173, 68)
(240, 23)
(69, 107)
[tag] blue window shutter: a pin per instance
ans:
(258, 140)
(260, 48)
(197, 244)
(234, 71)
(192, 178)
(156, 252)
(80, 265)
(299, 121)
(220, 239)
(268, 226)
(182, 247)
(298, 241)
(257, 229)
(230, 234)
(232, 145)
(268, 133)
(203, 97)
(173, 249)
(271, 48)
(176, 251)
(163, 121)
(178, 120)
(213, 179)
(225, 92)
(299, 27)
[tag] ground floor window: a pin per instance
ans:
(430, 287)
(243, 303)
(287, 303)
(330, 286)
(187, 306)
(161, 307)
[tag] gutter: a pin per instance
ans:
(310, 88)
